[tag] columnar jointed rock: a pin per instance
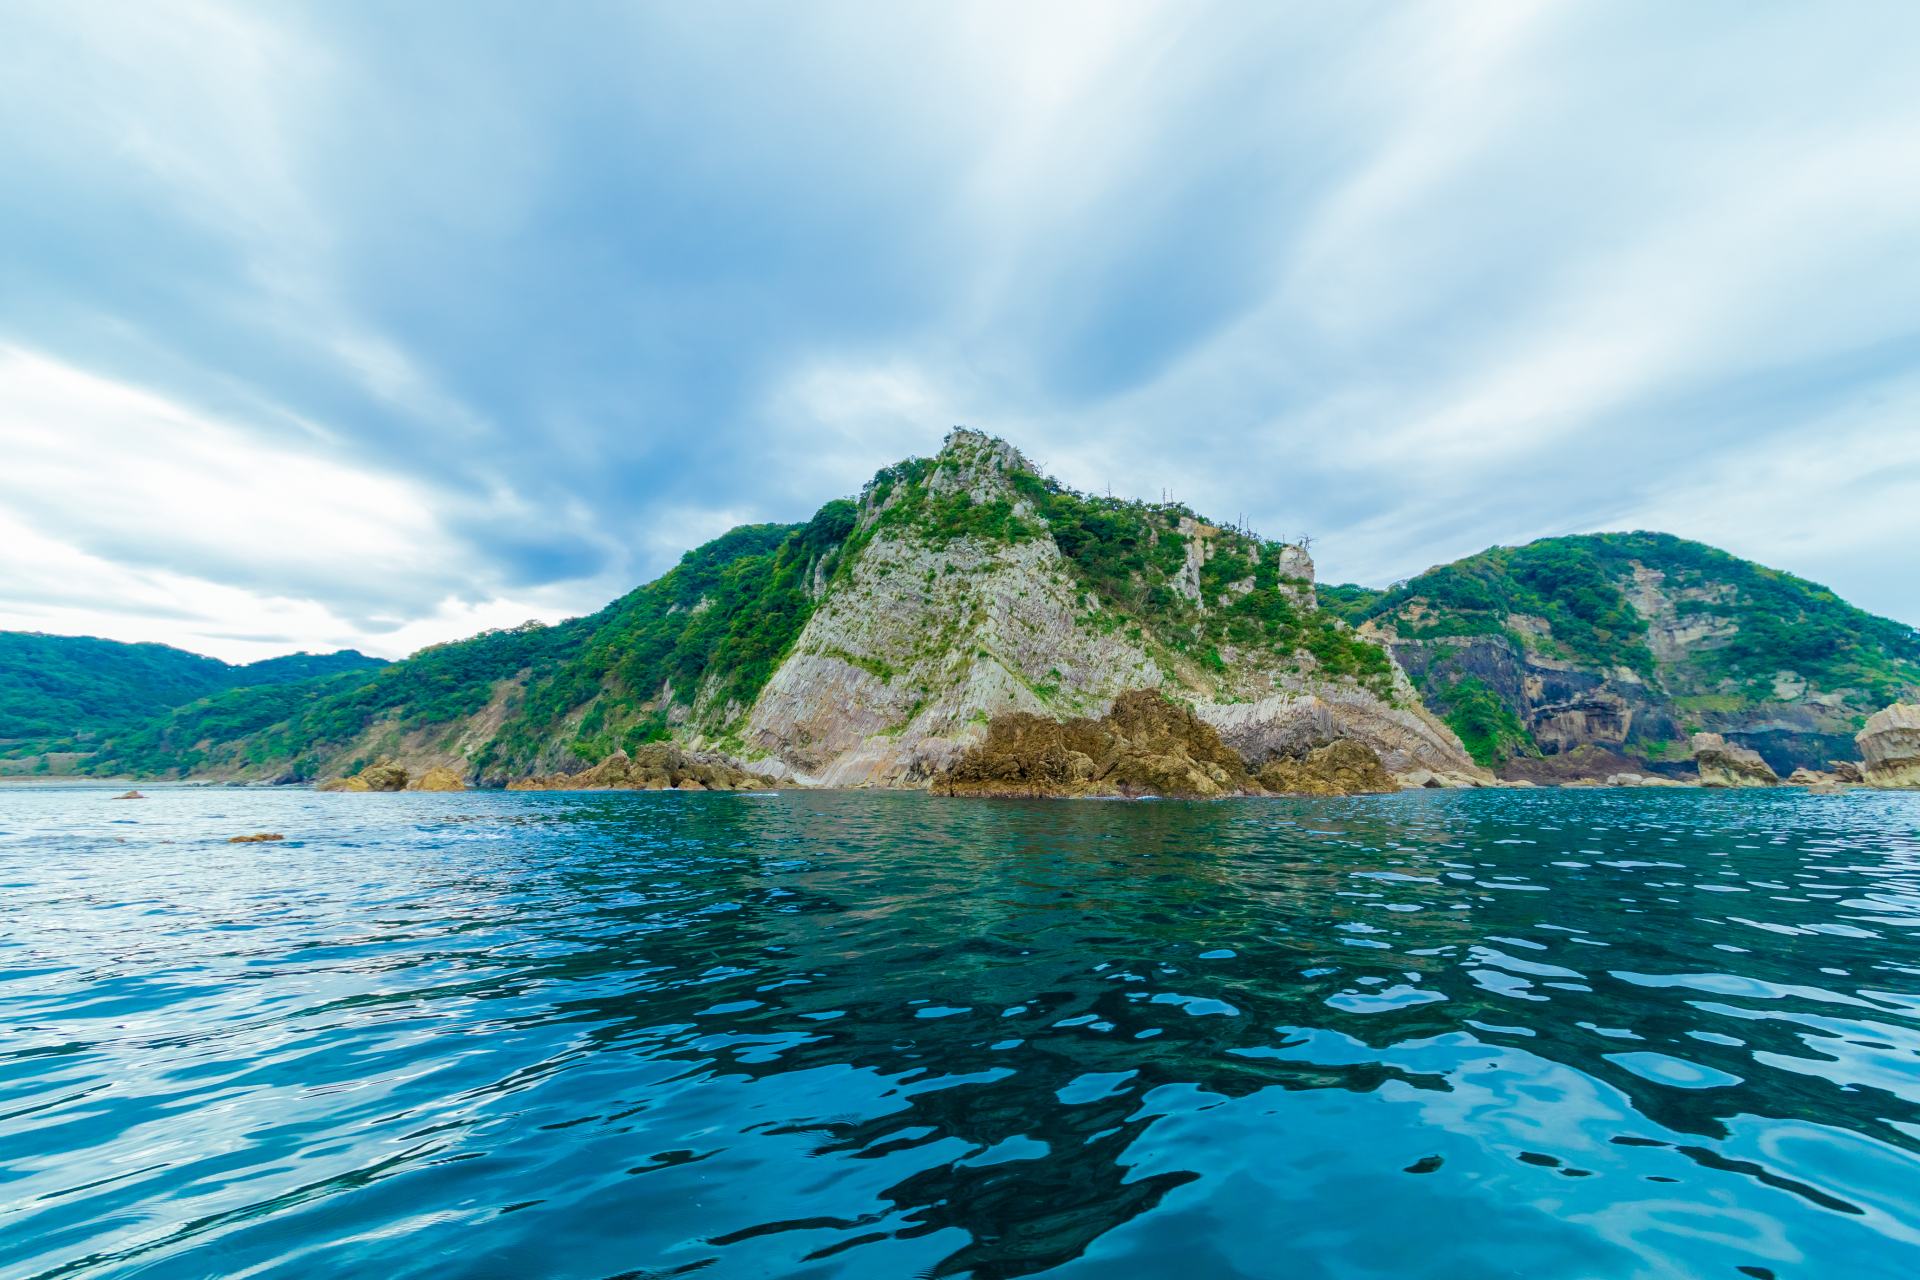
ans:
(1146, 745)
(1724, 764)
(656, 766)
(1890, 746)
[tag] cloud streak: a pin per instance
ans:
(334, 324)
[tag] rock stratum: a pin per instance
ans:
(896, 636)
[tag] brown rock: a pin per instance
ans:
(258, 837)
(1723, 764)
(130, 795)
(437, 779)
(384, 775)
(1342, 768)
(1890, 747)
(656, 766)
(1147, 744)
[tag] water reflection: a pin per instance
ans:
(836, 1034)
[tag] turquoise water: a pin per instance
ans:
(1548, 1034)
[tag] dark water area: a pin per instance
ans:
(1508, 1033)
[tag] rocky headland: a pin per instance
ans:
(970, 625)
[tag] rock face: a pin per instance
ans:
(437, 779)
(1890, 747)
(1722, 764)
(1620, 645)
(655, 766)
(1146, 745)
(1342, 768)
(928, 636)
(382, 776)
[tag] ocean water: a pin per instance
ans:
(1505, 1033)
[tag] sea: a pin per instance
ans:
(1578, 1033)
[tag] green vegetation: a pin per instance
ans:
(1347, 602)
(1487, 726)
(67, 693)
(291, 722)
(1562, 581)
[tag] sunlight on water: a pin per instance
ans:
(1539, 1034)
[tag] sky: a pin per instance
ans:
(374, 325)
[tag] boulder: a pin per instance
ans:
(130, 795)
(1147, 744)
(258, 837)
(384, 775)
(1723, 764)
(1890, 747)
(656, 766)
(1342, 768)
(1845, 770)
(439, 778)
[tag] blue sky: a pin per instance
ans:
(372, 324)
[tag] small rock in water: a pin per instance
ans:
(256, 838)
(130, 795)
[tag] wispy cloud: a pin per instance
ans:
(332, 325)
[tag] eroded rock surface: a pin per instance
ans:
(384, 775)
(1723, 764)
(656, 766)
(1147, 744)
(1342, 768)
(437, 779)
(1890, 747)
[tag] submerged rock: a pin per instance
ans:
(1342, 768)
(1890, 747)
(656, 766)
(1724, 764)
(1147, 744)
(258, 837)
(130, 795)
(439, 778)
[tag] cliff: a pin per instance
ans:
(1582, 657)
(871, 646)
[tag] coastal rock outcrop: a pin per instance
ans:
(655, 766)
(439, 778)
(1723, 764)
(1342, 768)
(1147, 744)
(384, 775)
(1890, 747)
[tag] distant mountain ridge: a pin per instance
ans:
(68, 693)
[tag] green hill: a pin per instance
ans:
(1626, 642)
(68, 693)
